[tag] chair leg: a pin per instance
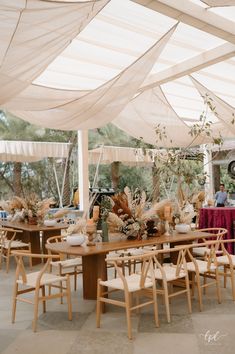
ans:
(43, 301)
(166, 298)
(199, 290)
(128, 314)
(14, 301)
(193, 283)
(75, 278)
(232, 283)
(68, 293)
(155, 307)
(0, 257)
(98, 305)
(225, 276)
(61, 292)
(8, 260)
(218, 285)
(35, 309)
(30, 258)
(188, 294)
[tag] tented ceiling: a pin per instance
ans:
(124, 62)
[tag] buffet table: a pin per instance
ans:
(31, 233)
(219, 217)
(93, 257)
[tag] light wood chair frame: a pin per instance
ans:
(196, 275)
(167, 286)
(229, 268)
(6, 252)
(77, 269)
(146, 271)
(21, 275)
(218, 233)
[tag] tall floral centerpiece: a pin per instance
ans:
(29, 209)
(128, 213)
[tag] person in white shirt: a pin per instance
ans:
(221, 196)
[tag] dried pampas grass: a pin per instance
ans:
(158, 209)
(60, 213)
(79, 227)
(114, 222)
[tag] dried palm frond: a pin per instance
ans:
(129, 198)
(5, 205)
(121, 205)
(157, 208)
(79, 227)
(18, 203)
(61, 213)
(114, 222)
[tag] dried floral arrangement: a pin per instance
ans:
(185, 214)
(24, 208)
(129, 213)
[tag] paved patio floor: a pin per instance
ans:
(210, 331)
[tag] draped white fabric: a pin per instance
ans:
(33, 34)
(61, 70)
(223, 111)
(128, 156)
(31, 151)
(102, 105)
(219, 2)
(38, 98)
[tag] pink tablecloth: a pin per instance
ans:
(219, 217)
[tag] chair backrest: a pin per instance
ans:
(212, 246)
(180, 265)
(8, 235)
(146, 267)
(20, 269)
(217, 233)
(55, 239)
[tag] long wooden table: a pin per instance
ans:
(93, 257)
(31, 233)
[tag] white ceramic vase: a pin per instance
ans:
(50, 222)
(75, 239)
(182, 228)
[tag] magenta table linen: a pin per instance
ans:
(219, 217)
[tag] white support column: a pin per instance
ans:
(208, 168)
(83, 173)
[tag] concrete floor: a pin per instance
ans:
(211, 331)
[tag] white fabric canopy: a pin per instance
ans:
(128, 156)
(102, 105)
(223, 111)
(93, 72)
(219, 2)
(33, 34)
(31, 151)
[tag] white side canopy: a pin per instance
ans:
(31, 151)
(128, 156)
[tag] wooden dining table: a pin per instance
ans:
(31, 233)
(93, 257)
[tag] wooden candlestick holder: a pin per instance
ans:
(90, 230)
